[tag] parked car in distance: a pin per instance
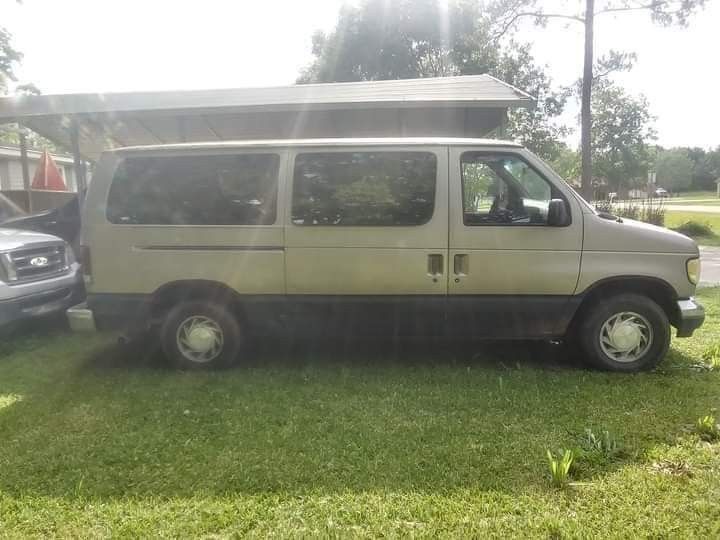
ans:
(661, 193)
(38, 275)
(207, 244)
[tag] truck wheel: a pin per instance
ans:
(200, 335)
(626, 333)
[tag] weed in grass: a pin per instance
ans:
(604, 444)
(712, 357)
(648, 210)
(672, 467)
(707, 428)
(560, 467)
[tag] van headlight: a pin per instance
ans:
(693, 270)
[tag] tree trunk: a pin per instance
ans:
(585, 111)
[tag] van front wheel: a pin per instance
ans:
(200, 335)
(627, 332)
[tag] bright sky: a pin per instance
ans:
(113, 45)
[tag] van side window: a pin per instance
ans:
(503, 190)
(195, 190)
(364, 188)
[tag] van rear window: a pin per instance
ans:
(364, 188)
(195, 190)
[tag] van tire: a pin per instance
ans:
(615, 323)
(200, 335)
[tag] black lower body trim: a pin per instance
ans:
(119, 311)
(480, 316)
(686, 327)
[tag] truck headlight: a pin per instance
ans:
(3, 270)
(69, 255)
(693, 270)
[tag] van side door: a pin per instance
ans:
(511, 273)
(367, 236)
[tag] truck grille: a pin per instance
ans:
(35, 263)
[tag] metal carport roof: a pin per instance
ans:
(447, 106)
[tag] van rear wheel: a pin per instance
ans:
(200, 335)
(626, 333)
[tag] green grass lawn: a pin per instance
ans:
(352, 441)
(674, 219)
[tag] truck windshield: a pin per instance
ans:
(9, 210)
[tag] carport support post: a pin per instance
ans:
(78, 163)
(25, 165)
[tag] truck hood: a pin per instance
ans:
(633, 236)
(16, 238)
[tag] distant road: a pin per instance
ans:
(710, 272)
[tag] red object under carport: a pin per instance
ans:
(47, 175)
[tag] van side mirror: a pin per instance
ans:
(558, 213)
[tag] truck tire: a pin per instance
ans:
(200, 335)
(624, 333)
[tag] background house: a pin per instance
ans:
(11, 177)
(13, 186)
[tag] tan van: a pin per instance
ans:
(209, 243)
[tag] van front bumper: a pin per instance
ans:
(81, 319)
(690, 317)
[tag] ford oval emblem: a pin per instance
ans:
(39, 261)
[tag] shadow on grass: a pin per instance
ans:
(93, 419)
(290, 354)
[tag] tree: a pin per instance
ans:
(665, 12)
(9, 57)
(706, 167)
(674, 169)
(567, 164)
(399, 39)
(620, 133)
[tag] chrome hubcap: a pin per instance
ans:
(199, 339)
(626, 336)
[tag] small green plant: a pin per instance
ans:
(560, 467)
(604, 206)
(648, 210)
(695, 228)
(707, 428)
(654, 212)
(628, 210)
(604, 443)
(712, 357)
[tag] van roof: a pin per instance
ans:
(345, 141)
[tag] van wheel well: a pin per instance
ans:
(171, 294)
(658, 291)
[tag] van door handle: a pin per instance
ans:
(435, 265)
(461, 265)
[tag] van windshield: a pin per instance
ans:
(559, 178)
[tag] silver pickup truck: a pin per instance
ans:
(38, 275)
